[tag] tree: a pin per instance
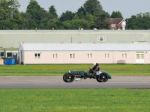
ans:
(52, 12)
(35, 15)
(10, 17)
(93, 7)
(53, 21)
(3, 3)
(80, 23)
(100, 22)
(94, 10)
(81, 13)
(13, 5)
(116, 14)
(68, 15)
(139, 21)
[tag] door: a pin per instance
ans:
(140, 57)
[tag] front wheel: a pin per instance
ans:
(102, 77)
(68, 78)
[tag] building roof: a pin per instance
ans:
(84, 47)
(13, 38)
(114, 20)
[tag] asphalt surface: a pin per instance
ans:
(57, 82)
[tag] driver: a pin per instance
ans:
(95, 68)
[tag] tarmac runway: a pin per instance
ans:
(57, 82)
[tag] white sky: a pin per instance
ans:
(127, 7)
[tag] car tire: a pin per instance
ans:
(102, 77)
(68, 78)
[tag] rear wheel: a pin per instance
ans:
(102, 77)
(68, 78)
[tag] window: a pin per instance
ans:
(55, 55)
(1, 54)
(72, 56)
(90, 55)
(37, 55)
(9, 55)
(124, 55)
(14, 55)
(100, 38)
(140, 55)
(107, 55)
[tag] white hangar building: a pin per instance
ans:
(47, 53)
(99, 46)
(12, 38)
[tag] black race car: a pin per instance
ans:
(100, 76)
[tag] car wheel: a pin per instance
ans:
(68, 78)
(102, 77)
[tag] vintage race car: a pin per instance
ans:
(100, 76)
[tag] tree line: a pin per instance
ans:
(89, 16)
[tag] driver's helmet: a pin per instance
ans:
(97, 64)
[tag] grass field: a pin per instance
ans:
(74, 100)
(47, 70)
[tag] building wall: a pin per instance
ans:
(147, 57)
(1, 61)
(75, 57)
(13, 38)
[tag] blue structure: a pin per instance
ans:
(9, 61)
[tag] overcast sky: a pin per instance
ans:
(127, 7)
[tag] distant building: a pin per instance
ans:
(12, 38)
(123, 24)
(116, 23)
(41, 53)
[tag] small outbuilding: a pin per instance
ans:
(116, 23)
(47, 53)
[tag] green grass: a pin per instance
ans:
(74, 100)
(47, 70)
